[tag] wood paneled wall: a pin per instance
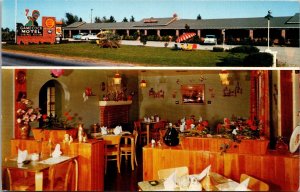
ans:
(90, 159)
(281, 172)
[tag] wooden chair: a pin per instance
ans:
(19, 181)
(255, 184)
(129, 149)
(141, 132)
(155, 133)
(63, 176)
(112, 149)
(165, 173)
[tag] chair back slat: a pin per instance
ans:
(254, 183)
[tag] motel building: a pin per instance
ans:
(283, 30)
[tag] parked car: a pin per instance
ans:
(78, 36)
(210, 39)
(90, 36)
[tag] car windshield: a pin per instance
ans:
(210, 36)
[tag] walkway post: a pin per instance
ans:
(16, 12)
(269, 17)
(92, 15)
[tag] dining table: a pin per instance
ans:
(38, 167)
(218, 181)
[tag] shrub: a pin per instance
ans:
(218, 49)
(244, 49)
(258, 60)
(231, 61)
(143, 39)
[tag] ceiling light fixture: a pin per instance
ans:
(143, 83)
(117, 79)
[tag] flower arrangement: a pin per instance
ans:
(67, 121)
(26, 113)
(248, 129)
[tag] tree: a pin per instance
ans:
(187, 28)
(104, 19)
(111, 19)
(97, 20)
(71, 18)
(199, 17)
(125, 19)
(143, 39)
(131, 19)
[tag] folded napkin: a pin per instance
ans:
(202, 174)
(182, 127)
(182, 120)
(195, 185)
(170, 182)
(57, 152)
(117, 130)
(22, 156)
(192, 126)
(104, 130)
(243, 186)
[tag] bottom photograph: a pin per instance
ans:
(148, 130)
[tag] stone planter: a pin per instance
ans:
(56, 136)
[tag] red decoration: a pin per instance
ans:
(57, 72)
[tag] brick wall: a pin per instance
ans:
(113, 115)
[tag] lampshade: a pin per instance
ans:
(224, 77)
(143, 83)
(117, 79)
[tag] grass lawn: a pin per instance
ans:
(146, 56)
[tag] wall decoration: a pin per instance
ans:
(227, 92)
(212, 92)
(174, 94)
(202, 78)
(193, 94)
(158, 94)
(21, 77)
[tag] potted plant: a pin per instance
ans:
(54, 128)
(26, 114)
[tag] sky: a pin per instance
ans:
(139, 9)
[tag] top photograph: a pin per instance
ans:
(151, 33)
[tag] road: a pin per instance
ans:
(18, 59)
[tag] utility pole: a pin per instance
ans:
(269, 17)
(92, 15)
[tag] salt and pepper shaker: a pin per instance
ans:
(153, 143)
(80, 133)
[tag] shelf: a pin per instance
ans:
(114, 103)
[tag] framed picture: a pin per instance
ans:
(193, 94)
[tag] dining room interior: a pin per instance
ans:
(230, 129)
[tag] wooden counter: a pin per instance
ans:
(90, 159)
(280, 171)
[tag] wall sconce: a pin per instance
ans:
(224, 77)
(143, 83)
(117, 79)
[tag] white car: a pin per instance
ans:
(90, 36)
(210, 39)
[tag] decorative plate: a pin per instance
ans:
(295, 140)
